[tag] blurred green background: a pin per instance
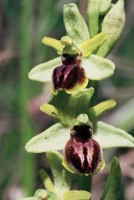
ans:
(23, 24)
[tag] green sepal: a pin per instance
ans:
(61, 97)
(76, 195)
(113, 185)
(113, 24)
(71, 104)
(109, 136)
(46, 181)
(54, 138)
(90, 45)
(62, 178)
(75, 101)
(75, 25)
(105, 6)
(93, 11)
(56, 44)
(58, 114)
(97, 68)
(99, 109)
(43, 72)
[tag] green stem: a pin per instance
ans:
(28, 166)
(84, 183)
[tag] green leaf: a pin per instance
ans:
(75, 101)
(76, 195)
(54, 138)
(93, 11)
(56, 44)
(43, 72)
(97, 68)
(113, 24)
(105, 6)
(54, 112)
(112, 189)
(62, 178)
(75, 25)
(100, 108)
(109, 136)
(90, 45)
(46, 181)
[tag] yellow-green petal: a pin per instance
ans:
(90, 45)
(56, 44)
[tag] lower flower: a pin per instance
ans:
(82, 154)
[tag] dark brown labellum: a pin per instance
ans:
(84, 156)
(66, 77)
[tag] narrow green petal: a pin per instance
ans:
(100, 108)
(109, 136)
(76, 195)
(90, 45)
(75, 25)
(43, 72)
(54, 112)
(54, 138)
(46, 181)
(97, 68)
(56, 44)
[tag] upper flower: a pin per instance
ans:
(75, 66)
(70, 75)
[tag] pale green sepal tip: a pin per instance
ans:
(98, 68)
(43, 72)
(54, 138)
(109, 136)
